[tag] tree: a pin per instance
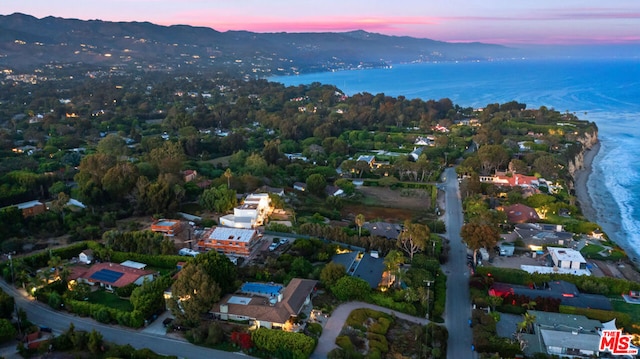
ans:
(218, 199)
(228, 174)
(478, 236)
(316, 184)
(7, 330)
(94, 343)
(300, 267)
(351, 288)
(413, 238)
(492, 157)
(112, 145)
(392, 262)
(7, 305)
(331, 273)
(168, 158)
(193, 294)
(547, 166)
(220, 269)
(359, 223)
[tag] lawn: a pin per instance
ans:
(110, 300)
(592, 251)
(619, 305)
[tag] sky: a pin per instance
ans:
(490, 21)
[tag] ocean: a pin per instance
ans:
(605, 91)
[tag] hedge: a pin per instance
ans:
(298, 345)
(104, 314)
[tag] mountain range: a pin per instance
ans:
(27, 42)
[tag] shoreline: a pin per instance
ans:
(597, 204)
(581, 177)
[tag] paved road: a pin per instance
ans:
(327, 341)
(41, 314)
(458, 308)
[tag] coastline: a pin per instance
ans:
(581, 177)
(597, 203)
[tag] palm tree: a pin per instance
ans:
(228, 174)
(359, 223)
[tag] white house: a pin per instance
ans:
(567, 258)
(86, 256)
(251, 213)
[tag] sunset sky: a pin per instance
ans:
(491, 21)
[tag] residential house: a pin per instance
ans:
(370, 160)
(190, 175)
(366, 266)
(383, 229)
(267, 305)
(230, 241)
(514, 180)
(567, 258)
(251, 213)
(415, 154)
(31, 208)
(111, 275)
(86, 256)
(564, 335)
(333, 191)
(519, 213)
(300, 186)
(271, 190)
(168, 227)
(567, 293)
(425, 141)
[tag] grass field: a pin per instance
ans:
(110, 300)
(619, 305)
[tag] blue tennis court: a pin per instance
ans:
(106, 275)
(270, 290)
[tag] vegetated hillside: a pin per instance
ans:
(26, 41)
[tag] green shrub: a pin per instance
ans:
(378, 341)
(314, 329)
(345, 343)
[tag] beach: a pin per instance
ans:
(597, 203)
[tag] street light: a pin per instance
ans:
(428, 308)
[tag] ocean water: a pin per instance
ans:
(604, 91)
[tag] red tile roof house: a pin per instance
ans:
(111, 275)
(267, 310)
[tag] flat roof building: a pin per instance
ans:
(234, 241)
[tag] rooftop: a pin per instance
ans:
(566, 254)
(232, 234)
(29, 204)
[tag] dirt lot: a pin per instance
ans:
(401, 198)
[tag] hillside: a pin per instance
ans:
(27, 42)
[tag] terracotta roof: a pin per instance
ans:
(128, 274)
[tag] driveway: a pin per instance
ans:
(327, 341)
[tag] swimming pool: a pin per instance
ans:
(266, 289)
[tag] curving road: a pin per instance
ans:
(327, 341)
(59, 321)
(458, 308)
